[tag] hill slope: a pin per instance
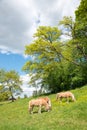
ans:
(72, 116)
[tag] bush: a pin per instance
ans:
(4, 96)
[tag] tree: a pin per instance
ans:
(68, 26)
(13, 82)
(46, 52)
(81, 29)
(2, 75)
(70, 50)
(3, 94)
(10, 81)
(81, 20)
(57, 63)
(81, 36)
(77, 32)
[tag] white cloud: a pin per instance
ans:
(20, 18)
(27, 89)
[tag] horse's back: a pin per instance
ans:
(37, 102)
(64, 94)
(69, 94)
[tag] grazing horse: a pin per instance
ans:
(39, 103)
(47, 100)
(66, 95)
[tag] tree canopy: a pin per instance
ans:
(10, 83)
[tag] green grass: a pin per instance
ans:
(72, 116)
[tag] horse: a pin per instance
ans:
(66, 95)
(39, 102)
(47, 100)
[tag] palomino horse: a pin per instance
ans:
(39, 103)
(47, 100)
(66, 95)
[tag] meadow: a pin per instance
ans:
(64, 116)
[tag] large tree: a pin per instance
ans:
(46, 52)
(81, 36)
(77, 33)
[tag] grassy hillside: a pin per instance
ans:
(72, 116)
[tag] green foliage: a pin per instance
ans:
(2, 75)
(4, 96)
(81, 12)
(71, 116)
(81, 37)
(46, 52)
(77, 44)
(49, 34)
(81, 28)
(68, 25)
(10, 82)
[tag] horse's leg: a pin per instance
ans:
(32, 109)
(57, 98)
(67, 98)
(47, 107)
(60, 99)
(39, 111)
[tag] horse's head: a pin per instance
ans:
(73, 98)
(48, 107)
(57, 96)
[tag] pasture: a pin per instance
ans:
(71, 116)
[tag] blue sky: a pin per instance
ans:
(12, 62)
(19, 20)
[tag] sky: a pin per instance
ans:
(19, 20)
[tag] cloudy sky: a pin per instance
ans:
(19, 20)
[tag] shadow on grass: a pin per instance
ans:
(36, 112)
(5, 102)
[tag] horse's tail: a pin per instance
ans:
(73, 97)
